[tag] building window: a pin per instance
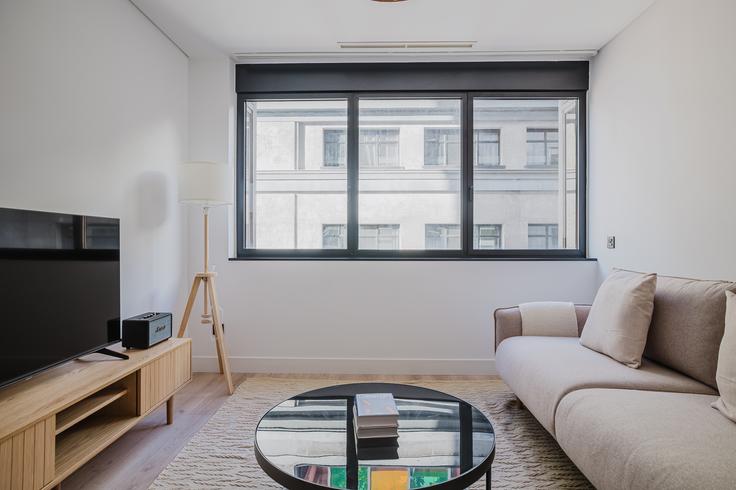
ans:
(487, 147)
(379, 237)
(487, 237)
(442, 237)
(542, 147)
(379, 148)
(333, 236)
(372, 237)
(543, 237)
(335, 147)
(441, 147)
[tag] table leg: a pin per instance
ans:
(488, 479)
(170, 411)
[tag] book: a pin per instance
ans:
(376, 410)
(373, 424)
(376, 432)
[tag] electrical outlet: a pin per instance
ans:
(612, 242)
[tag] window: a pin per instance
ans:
(333, 236)
(442, 147)
(379, 148)
(335, 147)
(487, 147)
(285, 210)
(372, 237)
(442, 237)
(401, 195)
(543, 236)
(487, 237)
(405, 162)
(379, 237)
(542, 147)
(538, 182)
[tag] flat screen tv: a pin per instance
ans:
(59, 289)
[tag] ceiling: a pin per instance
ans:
(274, 30)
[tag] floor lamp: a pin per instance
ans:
(207, 184)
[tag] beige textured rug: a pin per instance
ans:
(221, 455)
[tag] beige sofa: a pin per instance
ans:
(651, 427)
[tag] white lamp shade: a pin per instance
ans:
(205, 183)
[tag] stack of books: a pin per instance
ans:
(376, 423)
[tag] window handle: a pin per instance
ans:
(470, 193)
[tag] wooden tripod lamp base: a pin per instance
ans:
(207, 279)
(207, 184)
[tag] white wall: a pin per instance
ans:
(93, 119)
(662, 130)
(351, 317)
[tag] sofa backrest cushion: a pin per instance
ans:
(687, 326)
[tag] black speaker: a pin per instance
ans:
(146, 330)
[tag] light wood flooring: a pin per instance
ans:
(135, 460)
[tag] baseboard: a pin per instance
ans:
(311, 365)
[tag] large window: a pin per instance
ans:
(447, 173)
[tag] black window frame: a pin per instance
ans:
(549, 73)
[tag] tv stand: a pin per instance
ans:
(108, 352)
(54, 422)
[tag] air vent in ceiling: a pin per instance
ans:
(407, 45)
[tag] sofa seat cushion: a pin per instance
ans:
(644, 439)
(542, 370)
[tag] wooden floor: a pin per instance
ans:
(135, 460)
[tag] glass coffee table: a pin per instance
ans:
(308, 442)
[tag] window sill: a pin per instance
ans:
(412, 258)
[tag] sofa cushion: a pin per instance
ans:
(542, 370)
(687, 326)
(642, 439)
(619, 319)
(726, 373)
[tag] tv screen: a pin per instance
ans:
(59, 289)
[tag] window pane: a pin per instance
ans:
(296, 174)
(532, 197)
(409, 173)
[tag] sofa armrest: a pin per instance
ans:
(508, 321)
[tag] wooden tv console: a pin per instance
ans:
(54, 422)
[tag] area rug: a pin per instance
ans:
(221, 454)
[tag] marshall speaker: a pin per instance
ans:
(146, 330)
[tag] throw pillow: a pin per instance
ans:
(619, 319)
(726, 372)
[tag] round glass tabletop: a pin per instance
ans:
(308, 442)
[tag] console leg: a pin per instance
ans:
(488, 479)
(170, 411)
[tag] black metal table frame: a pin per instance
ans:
(470, 474)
